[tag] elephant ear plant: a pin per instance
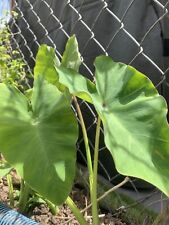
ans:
(38, 134)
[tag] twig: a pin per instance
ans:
(86, 206)
(100, 216)
(63, 217)
(126, 179)
(113, 189)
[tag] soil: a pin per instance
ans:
(65, 215)
(41, 213)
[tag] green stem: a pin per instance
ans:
(11, 191)
(76, 211)
(86, 142)
(25, 191)
(95, 168)
(53, 208)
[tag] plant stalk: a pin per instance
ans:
(95, 168)
(76, 211)
(102, 197)
(86, 142)
(11, 191)
(25, 190)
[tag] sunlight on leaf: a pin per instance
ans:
(38, 138)
(134, 120)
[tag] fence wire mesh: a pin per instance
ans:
(131, 31)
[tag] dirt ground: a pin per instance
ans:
(41, 213)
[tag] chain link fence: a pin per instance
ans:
(131, 31)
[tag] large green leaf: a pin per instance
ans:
(132, 111)
(134, 119)
(38, 138)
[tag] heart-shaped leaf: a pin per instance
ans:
(38, 138)
(134, 119)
